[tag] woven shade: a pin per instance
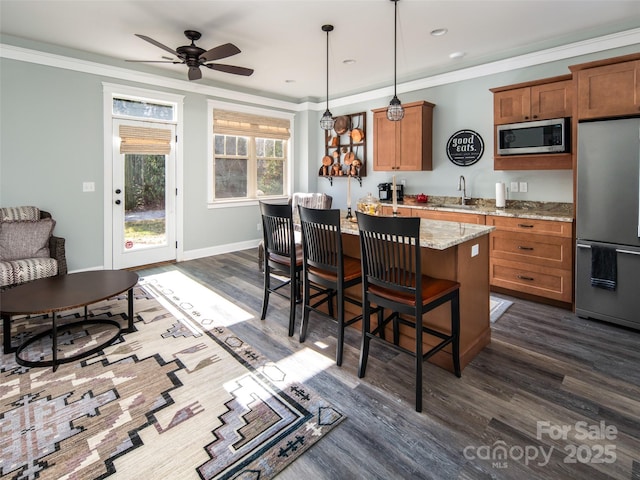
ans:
(245, 124)
(152, 141)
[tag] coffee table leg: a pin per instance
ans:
(54, 342)
(6, 334)
(130, 312)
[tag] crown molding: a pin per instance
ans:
(594, 45)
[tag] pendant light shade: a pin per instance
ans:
(395, 112)
(327, 122)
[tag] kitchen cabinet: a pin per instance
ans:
(532, 256)
(405, 145)
(543, 99)
(538, 100)
(445, 216)
(402, 211)
(608, 88)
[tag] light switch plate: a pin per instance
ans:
(514, 186)
(88, 186)
(524, 187)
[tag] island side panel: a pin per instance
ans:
(454, 263)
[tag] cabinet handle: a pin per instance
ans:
(521, 247)
(535, 116)
(524, 225)
(522, 277)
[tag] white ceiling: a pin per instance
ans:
(284, 43)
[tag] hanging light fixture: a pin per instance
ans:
(395, 112)
(327, 121)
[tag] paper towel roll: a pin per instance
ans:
(500, 194)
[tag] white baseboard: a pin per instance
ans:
(209, 251)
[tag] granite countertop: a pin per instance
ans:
(562, 212)
(434, 234)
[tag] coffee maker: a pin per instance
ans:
(385, 191)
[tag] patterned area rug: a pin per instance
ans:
(182, 397)
(497, 306)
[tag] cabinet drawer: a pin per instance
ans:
(450, 216)
(544, 250)
(546, 282)
(526, 225)
(402, 211)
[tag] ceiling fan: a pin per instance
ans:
(195, 57)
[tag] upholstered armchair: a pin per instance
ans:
(28, 248)
(309, 200)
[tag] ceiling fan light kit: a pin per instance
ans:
(195, 57)
(395, 112)
(327, 122)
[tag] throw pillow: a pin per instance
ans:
(19, 240)
(10, 214)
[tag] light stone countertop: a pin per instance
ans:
(434, 234)
(560, 212)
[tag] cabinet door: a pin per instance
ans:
(512, 106)
(384, 142)
(610, 90)
(552, 100)
(410, 140)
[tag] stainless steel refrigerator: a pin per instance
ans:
(608, 216)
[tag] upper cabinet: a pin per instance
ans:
(608, 88)
(550, 98)
(531, 101)
(405, 145)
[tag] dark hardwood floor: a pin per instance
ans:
(546, 371)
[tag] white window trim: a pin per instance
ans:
(217, 105)
(109, 91)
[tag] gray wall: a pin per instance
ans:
(51, 140)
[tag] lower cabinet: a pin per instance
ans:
(476, 218)
(535, 257)
(532, 256)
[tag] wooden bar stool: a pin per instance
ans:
(326, 270)
(282, 256)
(392, 279)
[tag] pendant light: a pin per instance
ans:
(395, 112)
(327, 121)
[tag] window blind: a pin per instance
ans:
(245, 124)
(152, 141)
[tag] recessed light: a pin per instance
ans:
(349, 61)
(438, 32)
(289, 81)
(456, 55)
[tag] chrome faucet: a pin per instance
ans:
(462, 186)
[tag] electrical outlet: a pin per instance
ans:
(514, 186)
(403, 182)
(259, 226)
(475, 250)
(524, 187)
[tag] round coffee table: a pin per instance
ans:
(64, 292)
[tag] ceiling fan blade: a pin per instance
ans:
(229, 69)
(194, 73)
(222, 51)
(157, 44)
(154, 61)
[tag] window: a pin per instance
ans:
(250, 156)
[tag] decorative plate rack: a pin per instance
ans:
(346, 152)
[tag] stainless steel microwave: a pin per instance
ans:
(541, 136)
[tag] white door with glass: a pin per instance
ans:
(144, 193)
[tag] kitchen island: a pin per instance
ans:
(455, 251)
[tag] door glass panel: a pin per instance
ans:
(145, 211)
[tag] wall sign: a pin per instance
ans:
(465, 147)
